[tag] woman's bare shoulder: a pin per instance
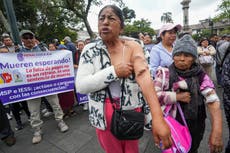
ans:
(132, 44)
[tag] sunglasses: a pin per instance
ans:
(28, 37)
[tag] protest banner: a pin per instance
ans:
(29, 75)
(82, 98)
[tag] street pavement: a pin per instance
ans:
(81, 137)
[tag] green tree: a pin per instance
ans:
(81, 9)
(138, 26)
(129, 14)
(167, 17)
(56, 18)
(223, 11)
(44, 18)
(56, 22)
(205, 33)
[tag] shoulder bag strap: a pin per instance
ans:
(181, 114)
(122, 94)
(122, 85)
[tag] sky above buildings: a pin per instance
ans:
(153, 10)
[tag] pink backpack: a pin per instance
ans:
(180, 133)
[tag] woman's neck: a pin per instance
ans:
(111, 45)
(167, 46)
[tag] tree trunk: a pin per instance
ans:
(89, 30)
(4, 21)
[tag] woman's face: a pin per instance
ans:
(109, 24)
(183, 61)
(52, 47)
(169, 37)
(147, 39)
(204, 43)
(80, 45)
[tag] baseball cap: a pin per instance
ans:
(169, 26)
(26, 32)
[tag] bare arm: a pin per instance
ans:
(161, 131)
(215, 138)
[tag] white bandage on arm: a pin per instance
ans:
(210, 95)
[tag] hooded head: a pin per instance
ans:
(67, 39)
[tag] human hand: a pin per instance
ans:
(161, 134)
(215, 142)
(16, 48)
(183, 97)
(123, 70)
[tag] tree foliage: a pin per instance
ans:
(81, 9)
(44, 18)
(53, 18)
(129, 14)
(138, 26)
(223, 11)
(205, 33)
(166, 17)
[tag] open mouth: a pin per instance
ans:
(105, 30)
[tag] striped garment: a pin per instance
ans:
(169, 97)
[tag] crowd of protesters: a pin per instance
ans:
(162, 55)
(61, 105)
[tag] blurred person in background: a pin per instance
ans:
(6, 133)
(226, 93)
(161, 53)
(8, 42)
(52, 47)
(69, 44)
(80, 46)
(148, 42)
(30, 45)
(206, 49)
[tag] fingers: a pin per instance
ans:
(157, 141)
(166, 143)
(184, 97)
(216, 148)
(123, 69)
(162, 142)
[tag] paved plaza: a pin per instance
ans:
(81, 137)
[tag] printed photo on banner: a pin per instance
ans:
(35, 74)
